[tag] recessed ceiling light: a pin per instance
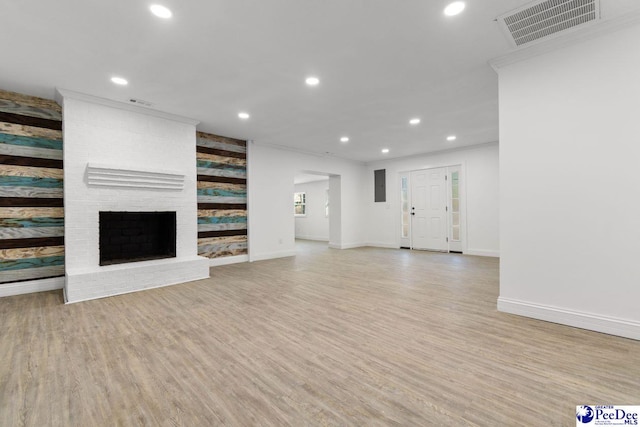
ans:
(344, 139)
(243, 115)
(385, 150)
(414, 121)
(160, 11)
(454, 8)
(119, 81)
(312, 81)
(451, 138)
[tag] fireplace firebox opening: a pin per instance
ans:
(136, 236)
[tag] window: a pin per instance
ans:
(299, 204)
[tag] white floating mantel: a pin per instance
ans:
(99, 175)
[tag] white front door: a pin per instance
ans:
(429, 209)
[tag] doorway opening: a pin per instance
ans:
(432, 209)
(316, 209)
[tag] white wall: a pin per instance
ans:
(130, 138)
(480, 181)
(314, 225)
(335, 221)
(569, 205)
(270, 196)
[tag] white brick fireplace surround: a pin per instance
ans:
(120, 157)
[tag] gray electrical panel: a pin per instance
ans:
(380, 186)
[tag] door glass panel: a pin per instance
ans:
(404, 202)
(456, 233)
(455, 206)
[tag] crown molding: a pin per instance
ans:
(435, 152)
(62, 94)
(579, 35)
(305, 152)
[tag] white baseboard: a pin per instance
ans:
(271, 255)
(346, 245)
(30, 286)
(383, 245)
(214, 262)
(590, 321)
(482, 252)
(315, 238)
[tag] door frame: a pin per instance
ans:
(462, 169)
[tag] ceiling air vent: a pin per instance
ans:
(542, 19)
(140, 102)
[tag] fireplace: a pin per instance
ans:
(131, 199)
(136, 236)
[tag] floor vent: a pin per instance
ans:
(543, 19)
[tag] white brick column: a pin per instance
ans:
(100, 131)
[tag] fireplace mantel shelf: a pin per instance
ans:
(99, 175)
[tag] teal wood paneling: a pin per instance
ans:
(30, 141)
(222, 219)
(20, 264)
(27, 181)
(222, 191)
(30, 232)
(30, 178)
(222, 226)
(24, 105)
(224, 200)
(7, 276)
(221, 146)
(218, 247)
(42, 153)
(31, 222)
(36, 192)
(221, 169)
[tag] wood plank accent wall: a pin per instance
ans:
(222, 195)
(31, 199)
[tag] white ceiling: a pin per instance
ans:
(381, 62)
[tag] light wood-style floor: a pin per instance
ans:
(366, 336)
